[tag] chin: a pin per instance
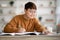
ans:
(31, 17)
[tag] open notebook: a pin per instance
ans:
(25, 33)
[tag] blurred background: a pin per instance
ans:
(48, 12)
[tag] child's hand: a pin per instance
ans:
(20, 30)
(47, 31)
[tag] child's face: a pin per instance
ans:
(31, 13)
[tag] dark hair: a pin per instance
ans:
(30, 5)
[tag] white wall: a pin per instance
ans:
(58, 12)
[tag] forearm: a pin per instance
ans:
(9, 29)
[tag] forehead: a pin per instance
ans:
(31, 9)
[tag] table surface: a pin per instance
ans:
(31, 37)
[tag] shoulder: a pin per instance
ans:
(18, 16)
(35, 19)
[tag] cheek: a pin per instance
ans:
(29, 13)
(33, 14)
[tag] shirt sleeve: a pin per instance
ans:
(11, 26)
(38, 26)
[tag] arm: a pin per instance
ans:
(38, 26)
(11, 26)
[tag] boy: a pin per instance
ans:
(26, 22)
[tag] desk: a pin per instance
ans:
(32, 37)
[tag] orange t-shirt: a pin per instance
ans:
(29, 25)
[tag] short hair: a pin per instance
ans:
(30, 5)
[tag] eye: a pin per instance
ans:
(32, 11)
